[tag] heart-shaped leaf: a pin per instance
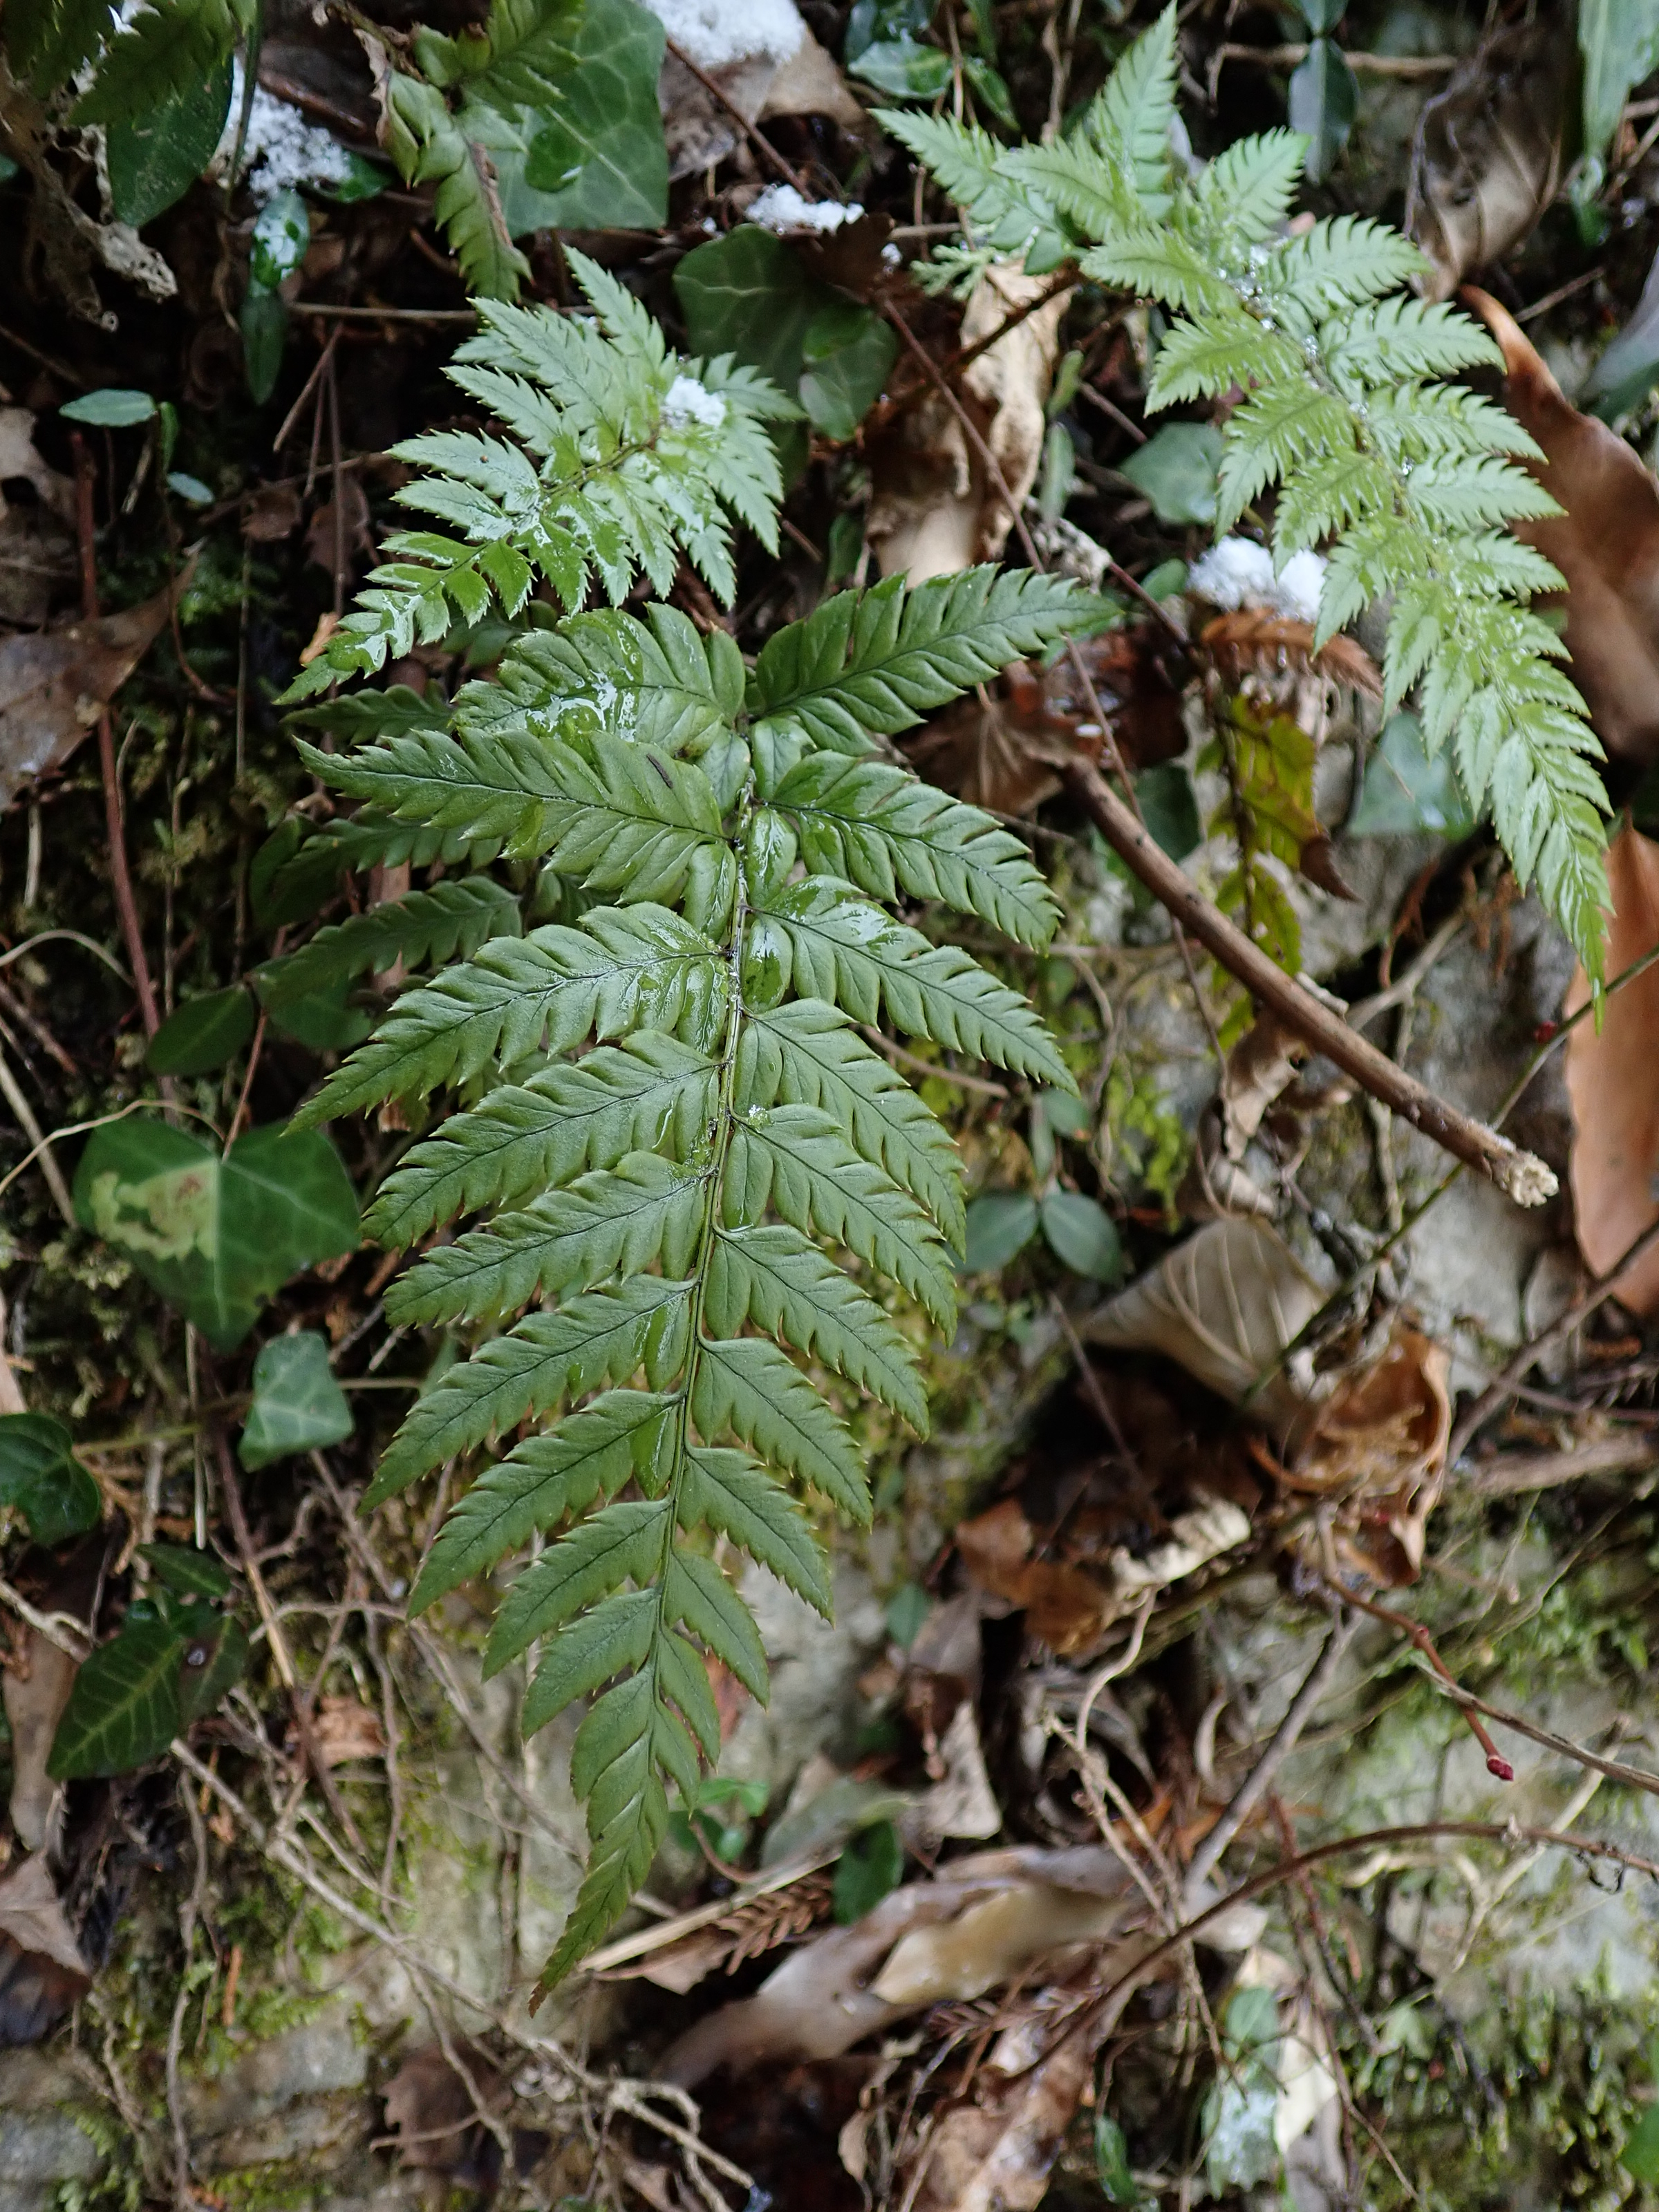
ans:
(40, 1475)
(297, 1404)
(216, 1235)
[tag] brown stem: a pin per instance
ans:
(1634, 1777)
(768, 152)
(1519, 1175)
(1496, 1762)
(1579, 1312)
(125, 905)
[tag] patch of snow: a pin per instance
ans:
(780, 207)
(688, 401)
(717, 33)
(1238, 573)
(283, 150)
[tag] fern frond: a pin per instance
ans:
(518, 58)
(697, 1214)
(47, 41)
(651, 1092)
(853, 956)
(449, 922)
(878, 660)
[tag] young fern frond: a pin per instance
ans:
(621, 456)
(686, 1171)
(1407, 483)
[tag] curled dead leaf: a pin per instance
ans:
(1225, 1305)
(781, 71)
(1487, 158)
(1611, 1082)
(345, 1729)
(42, 1972)
(934, 509)
(1606, 544)
(1258, 641)
(1379, 1443)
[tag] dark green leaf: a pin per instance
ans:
(999, 1225)
(125, 1708)
(40, 1475)
(1176, 470)
(156, 155)
(216, 1237)
(992, 89)
(870, 1868)
(1117, 2183)
(847, 352)
(1169, 808)
(1640, 2155)
(211, 1662)
(187, 1573)
(598, 161)
(110, 409)
(323, 1020)
(747, 294)
(298, 1405)
(904, 70)
(906, 1608)
(1324, 100)
(1408, 790)
(1083, 1234)
(263, 323)
(1322, 16)
(202, 1034)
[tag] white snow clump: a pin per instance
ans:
(688, 401)
(717, 33)
(1238, 573)
(780, 207)
(282, 149)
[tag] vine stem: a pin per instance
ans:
(1519, 1175)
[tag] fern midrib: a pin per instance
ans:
(716, 1178)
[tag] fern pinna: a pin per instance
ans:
(1405, 481)
(671, 1109)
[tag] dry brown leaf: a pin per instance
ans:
(1487, 159)
(36, 1687)
(934, 510)
(1613, 1080)
(820, 2000)
(1379, 1442)
(1225, 1304)
(54, 684)
(961, 1803)
(992, 1941)
(1065, 1607)
(1606, 544)
(432, 2111)
(1255, 640)
(272, 513)
(701, 129)
(344, 1729)
(42, 1972)
(996, 2153)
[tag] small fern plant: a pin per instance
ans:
(689, 1172)
(1408, 482)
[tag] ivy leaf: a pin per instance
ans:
(215, 1237)
(40, 1476)
(155, 154)
(598, 161)
(298, 1407)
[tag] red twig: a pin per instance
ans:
(121, 880)
(1496, 1762)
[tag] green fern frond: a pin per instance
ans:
(517, 58)
(627, 457)
(47, 41)
(678, 1153)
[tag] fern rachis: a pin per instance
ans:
(680, 1155)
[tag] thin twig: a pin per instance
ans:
(256, 1581)
(1264, 1773)
(1416, 1633)
(1634, 1777)
(190, 1913)
(1512, 1474)
(1604, 1287)
(768, 152)
(12, 1090)
(983, 1084)
(1411, 67)
(70, 1636)
(127, 906)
